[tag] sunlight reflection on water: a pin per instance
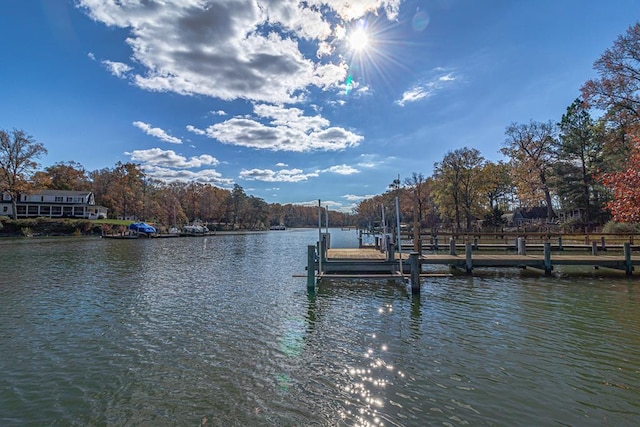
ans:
(173, 331)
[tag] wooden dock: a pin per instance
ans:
(354, 259)
(369, 263)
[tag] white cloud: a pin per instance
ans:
(281, 165)
(118, 69)
(283, 175)
(205, 176)
(355, 198)
(342, 170)
(371, 160)
(218, 113)
(283, 129)
(414, 94)
(426, 89)
(168, 158)
(240, 49)
(167, 166)
(157, 132)
(195, 130)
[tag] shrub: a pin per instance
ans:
(621, 227)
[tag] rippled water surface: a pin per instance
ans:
(217, 331)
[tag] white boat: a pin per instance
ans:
(195, 229)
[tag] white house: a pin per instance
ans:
(54, 204)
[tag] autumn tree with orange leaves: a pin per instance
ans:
(617, 91)
(625, 206)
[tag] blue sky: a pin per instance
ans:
(295, 102)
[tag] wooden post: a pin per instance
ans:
(415, 272)
(594, 248)
(311, 267)
(547, 259)
(602, 246)
(420, 247)
(522, 246)
(627, 259)
(360, 239)
(475, 243)
(435, 243)
(560, 243)
(468, 259)
(452, 246)
(391, 251)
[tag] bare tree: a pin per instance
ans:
(18, 154)
(531, 150)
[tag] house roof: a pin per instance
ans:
(61, 193)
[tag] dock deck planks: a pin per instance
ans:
(362, 259)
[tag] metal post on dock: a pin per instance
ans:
(602, 245)
(468, 258)
(560, 243)
(435, 243)
(452, 246)
(594, 248)
(311, 267)
(627, 259)
(547, 259)
(415, 272)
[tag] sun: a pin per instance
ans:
(359, 40)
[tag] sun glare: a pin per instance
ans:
(359, 40)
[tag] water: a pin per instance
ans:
(216, 331)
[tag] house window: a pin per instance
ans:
(32, 210)
(45, 210)
(69, 199)
(56, 210)
(59, 199)
(5, 209)
(42, 198)
(67, 211)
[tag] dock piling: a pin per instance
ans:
(468, 260)
(522, 246)
(452, 246)
(627, 259)
(311, 267)
(415, 272)
(547, 259)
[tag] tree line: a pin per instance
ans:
(127, 192)
(576, 164)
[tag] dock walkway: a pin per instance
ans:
(361, 259)
(371, 263)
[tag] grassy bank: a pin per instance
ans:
(58, 226)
